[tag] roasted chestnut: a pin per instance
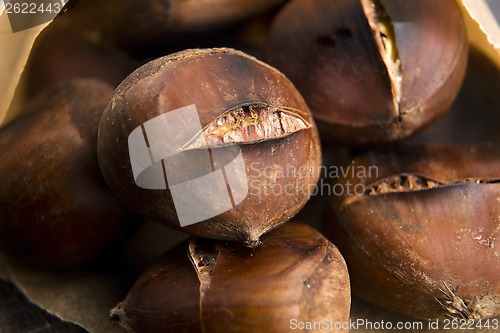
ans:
(421, 236)
(212, 136)
(73, 47)
(297, 278)
(372, 71)
(55, 207)
(134, 25)
(61, 54)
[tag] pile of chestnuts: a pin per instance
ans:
(211, 118)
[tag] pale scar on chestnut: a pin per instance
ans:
(249, 123)
(456, 307)
(203, 259)
(385, 37)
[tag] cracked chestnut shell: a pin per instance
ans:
(422, 239)
(246, 109)
(55, 207)
(210, 286)
(372, 71)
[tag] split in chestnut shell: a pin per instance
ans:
(244, 106)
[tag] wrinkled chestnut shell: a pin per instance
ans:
(215, 80)
(55, 208)
(429, 253)
(295, 274)
(329, 52)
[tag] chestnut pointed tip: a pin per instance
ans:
(253, 243)
(115, 315)
(456, 307)
(119, 316)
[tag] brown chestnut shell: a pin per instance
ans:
(222, 84)
(60, 54)
(55, 207)
(372, 71)
(422, 239)
(134, 25)
(210, 286)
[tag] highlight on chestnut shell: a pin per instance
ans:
(137, 25)
(215, 286)
(212, 142)
(372, 71)
(422, 238)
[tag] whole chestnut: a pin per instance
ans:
(297, 278)
(421, 238)
(134, 25)
(61, 54)
(212, 136)
(372, 71)
(55, 207)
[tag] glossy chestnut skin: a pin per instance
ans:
(371, 80)
(72, 47)
(421, 240)
(134, 25)
(55, 208)
(474, 115)
(215, 81)
(210, 286)
(60, 53)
